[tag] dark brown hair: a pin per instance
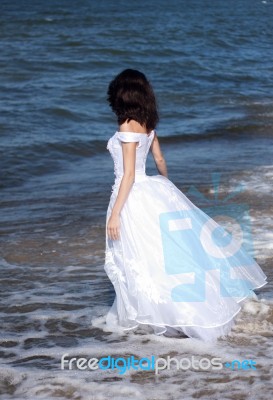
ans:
(131, 96)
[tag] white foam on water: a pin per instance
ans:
(251, 338)
(257, 192)
(258, 181)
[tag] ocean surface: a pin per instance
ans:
(211, 66)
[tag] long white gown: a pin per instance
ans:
(173, 268)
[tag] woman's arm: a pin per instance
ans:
(129, 161)
(158, 157)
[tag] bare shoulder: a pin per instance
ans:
(132, 126)
(156, 150)
(155, 135)
(155, 141)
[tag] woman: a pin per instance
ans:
(167, 270)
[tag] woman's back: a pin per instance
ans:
(115, 147)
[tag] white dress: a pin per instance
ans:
(173, 268)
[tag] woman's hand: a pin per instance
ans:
(113, 227)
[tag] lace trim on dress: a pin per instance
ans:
(144, 282)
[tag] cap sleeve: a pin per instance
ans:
(129, 137)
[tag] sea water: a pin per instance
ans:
(210, 63)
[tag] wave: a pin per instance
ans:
(19, 163)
